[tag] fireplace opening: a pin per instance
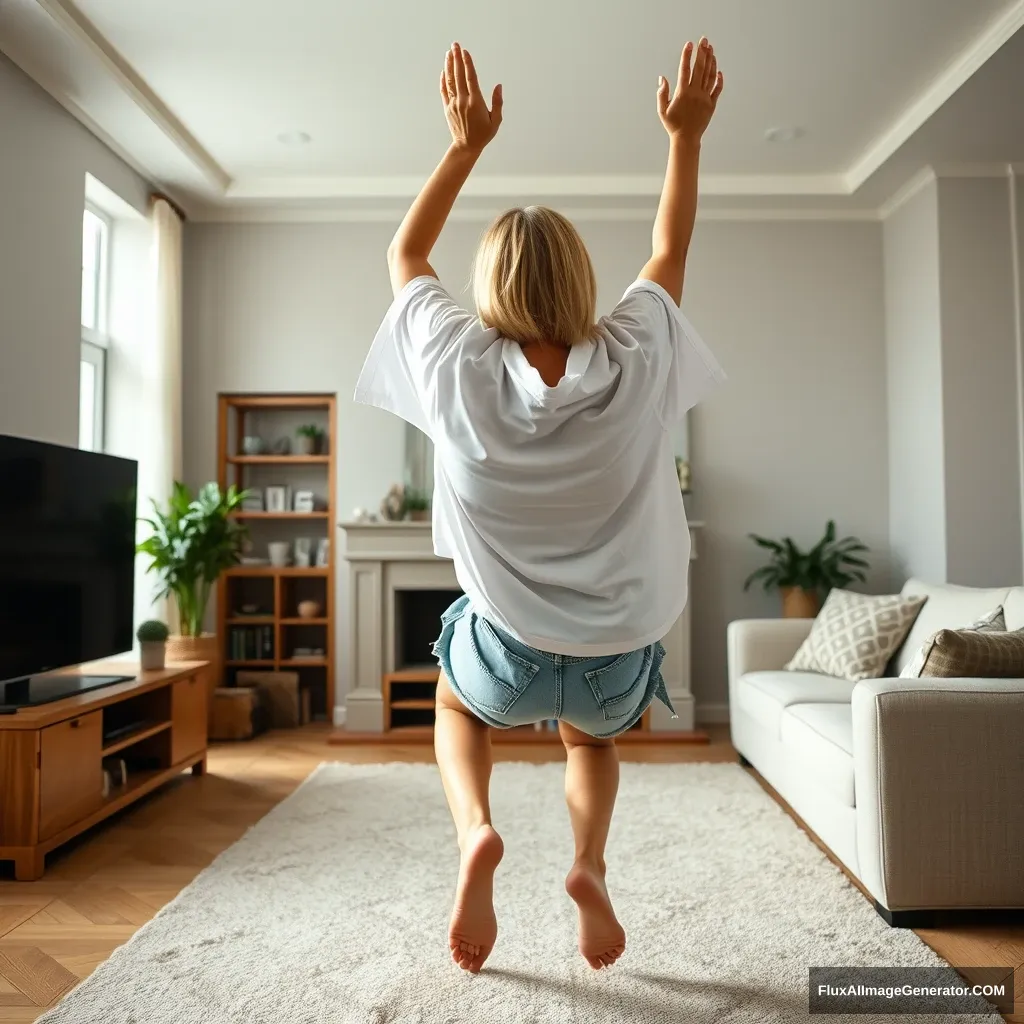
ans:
(418, 624)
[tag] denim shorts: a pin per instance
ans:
(505, 683)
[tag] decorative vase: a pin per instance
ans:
(798, 603)
(306, 445)
(309, 609)
(152, 655)
(199, 648)
(419, 515)
(252, 445)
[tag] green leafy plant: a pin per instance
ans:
(152, 632)
(193, 541)
(415, 501)
(311, 431)
(830, 563)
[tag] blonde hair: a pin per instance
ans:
(533, 280)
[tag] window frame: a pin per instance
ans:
(95, 341)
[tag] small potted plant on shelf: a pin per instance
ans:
(804, 577)
(152, 645)
(417, 505)
(309, 439)
(192, 542)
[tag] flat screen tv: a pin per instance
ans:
(67, 566)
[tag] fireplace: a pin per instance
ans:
(417, 617)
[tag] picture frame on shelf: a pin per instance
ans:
(305, 501)
(252, 502)
(277, 499)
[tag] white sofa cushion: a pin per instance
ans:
(947, 607)
(1013, 609)
(766, 695)
(819, 738)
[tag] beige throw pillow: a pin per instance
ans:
(994, 622)
(854, 635)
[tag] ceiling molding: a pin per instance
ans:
(919, 181)
(967, 62)
(66, 15)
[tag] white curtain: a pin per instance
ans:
(160, 459)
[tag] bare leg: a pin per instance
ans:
(462, 746)
(591, 783)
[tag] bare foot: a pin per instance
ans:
(474, 927)
(602, 939)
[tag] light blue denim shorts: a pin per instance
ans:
(505, 683)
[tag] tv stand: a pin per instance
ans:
(51, 755)
(31, 691)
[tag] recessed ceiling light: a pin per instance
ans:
(294, 138)
(784, 134)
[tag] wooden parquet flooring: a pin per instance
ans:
(99, 889)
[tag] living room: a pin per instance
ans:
(194, 247)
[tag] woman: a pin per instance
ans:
(556, 492)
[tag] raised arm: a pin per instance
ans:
(685, 115)
(472, 126)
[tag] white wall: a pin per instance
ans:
(794, 311)
(917, 516)
(979, 382)
(44, 158)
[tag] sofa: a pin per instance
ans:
(915, 785)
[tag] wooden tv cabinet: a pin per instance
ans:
(51, 755)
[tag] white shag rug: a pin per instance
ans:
(334, 908)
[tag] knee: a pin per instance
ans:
(573, 737)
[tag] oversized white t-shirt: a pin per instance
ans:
(560, 506)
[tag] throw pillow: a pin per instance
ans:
(971, 654)
(854, 635)
(994, 622)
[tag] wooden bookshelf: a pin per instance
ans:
(275, 629)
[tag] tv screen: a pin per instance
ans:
(67, 556)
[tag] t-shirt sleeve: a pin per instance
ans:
(684, 370)
(423, 327)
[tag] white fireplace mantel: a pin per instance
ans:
(384, 558)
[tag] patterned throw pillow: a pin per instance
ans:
(971, 654)
(994, 622)
(854, 635)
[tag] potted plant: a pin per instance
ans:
(416, 505)
(804, 577)
(152, 645)
(192, 542)
(309, 438)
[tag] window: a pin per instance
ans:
(93, 370)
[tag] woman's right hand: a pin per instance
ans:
(687, 113)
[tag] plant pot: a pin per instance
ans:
(306, 445)
(798, 603)
(152, 655)
(419, 515)
(309, 609)
(199, 648)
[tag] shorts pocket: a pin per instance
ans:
(506, 675)
(615, 685)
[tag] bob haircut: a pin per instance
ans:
(533, 280)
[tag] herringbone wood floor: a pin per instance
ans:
(101, 888)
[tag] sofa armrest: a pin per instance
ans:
(761, 645)
(939, 772)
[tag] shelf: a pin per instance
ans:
(281, 402)
(271, 570)
(251, 620)
(142, 733)
(412, 705)
(419, 674)
(279, 460)
(304, 622)
(245, 662)
(309, 662)
(280, 515)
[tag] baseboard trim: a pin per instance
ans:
(711, 714)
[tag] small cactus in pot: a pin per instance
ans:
(152, 645)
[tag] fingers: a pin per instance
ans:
(497, 100)
(444, 89)
(662, 95)
(710, 70)
(700, 64)
(718, 86)
(685, 66)
(449, 74)
(471, 79)
(461, 83)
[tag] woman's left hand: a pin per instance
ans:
(472, 125)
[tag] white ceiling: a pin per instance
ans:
(196, 92)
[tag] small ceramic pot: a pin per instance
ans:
(419, 515)
(306, 445)
(309, 609)
(152, 655)
(252, 445)
(279, 551)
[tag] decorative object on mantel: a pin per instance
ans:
(309, 439)
(362, 515)
(683, 473)
(803, 578)
(152, 637)
(417, 505)
(392, 508)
